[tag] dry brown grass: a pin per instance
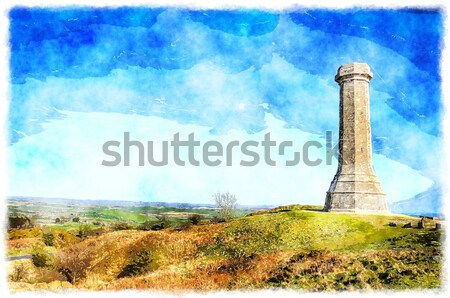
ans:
(243, 254)
(26, 244)
(206, 275)
(52, 286)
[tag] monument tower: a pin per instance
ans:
(355, 187)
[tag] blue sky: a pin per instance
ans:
(80, 77)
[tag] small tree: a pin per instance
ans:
(194, 219)
(226, 203)
(19, 222)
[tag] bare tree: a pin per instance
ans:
(226, 203)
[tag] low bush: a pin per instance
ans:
(238, 259)
(24, 233)
(19, 222)
(157, 226)
(60, 238)
(74, 262)
(140, 263)
(64, 238)
(147, 225)
(84, 231)
(163, 221)
(194, 219)
(48, 238)
(217, 219)
(42, 259)
(120, 226)
(183, 226)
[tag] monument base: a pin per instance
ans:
(356, 202)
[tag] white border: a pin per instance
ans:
(274, 5)
(227, 4)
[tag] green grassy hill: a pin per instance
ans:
(287, 247)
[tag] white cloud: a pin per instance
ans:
(65, 161)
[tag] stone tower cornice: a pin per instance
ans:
(353, 71)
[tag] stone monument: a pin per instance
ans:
(355, 187)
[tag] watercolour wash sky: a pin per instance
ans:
(83, 76)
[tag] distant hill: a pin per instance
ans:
(427, 203)
(114, 203)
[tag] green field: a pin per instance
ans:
(117, 214)
(47, 213)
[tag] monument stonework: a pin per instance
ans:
(355, 187)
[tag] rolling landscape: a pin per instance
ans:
(325, 124)
(102, 245)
